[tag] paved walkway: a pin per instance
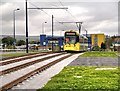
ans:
(96, 61)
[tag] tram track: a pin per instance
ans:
(4, 67)
(13, 57)
(22, 58)
(32, 73)
(15, 68)
(17, 56)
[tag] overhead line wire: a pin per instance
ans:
(69, 13)
(45, 12)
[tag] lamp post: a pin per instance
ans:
(87, 36)
(43, 27)
(14, 25)
(52, 31)
(86, 32)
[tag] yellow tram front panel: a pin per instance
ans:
(72, 47)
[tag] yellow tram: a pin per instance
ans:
(74, 42)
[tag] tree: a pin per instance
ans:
(20, 42)
(103, 46)
(8, 40)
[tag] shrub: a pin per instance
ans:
(95, 48)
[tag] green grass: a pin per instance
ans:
(99, 54)
(22, 53)
(118, 53)
(13, 54)
(16, 54)
(91, 79)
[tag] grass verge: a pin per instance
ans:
(16, 54)
(80, 78)
(99, 54)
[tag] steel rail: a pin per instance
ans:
(17, 81)
(18, 56)
(20, 59)
(2, 59)
(9, 70)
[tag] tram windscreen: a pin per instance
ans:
(70, 40)
(70, 37)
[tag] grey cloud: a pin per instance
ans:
(99, 12)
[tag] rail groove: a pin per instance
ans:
(17, 81)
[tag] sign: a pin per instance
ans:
(44, 43)
(53, 41)
(70, 33)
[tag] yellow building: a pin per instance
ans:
(97, 39)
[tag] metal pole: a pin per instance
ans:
(14, 28)
(87, 38)
(52, 32)
(79, 28)
(26, 29)
(86, 33)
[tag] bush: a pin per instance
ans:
(10, 47)
(95, 48)
(20, 42)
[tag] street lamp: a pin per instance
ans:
(14, 25)
(43, 27)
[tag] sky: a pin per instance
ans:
(97, 16)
